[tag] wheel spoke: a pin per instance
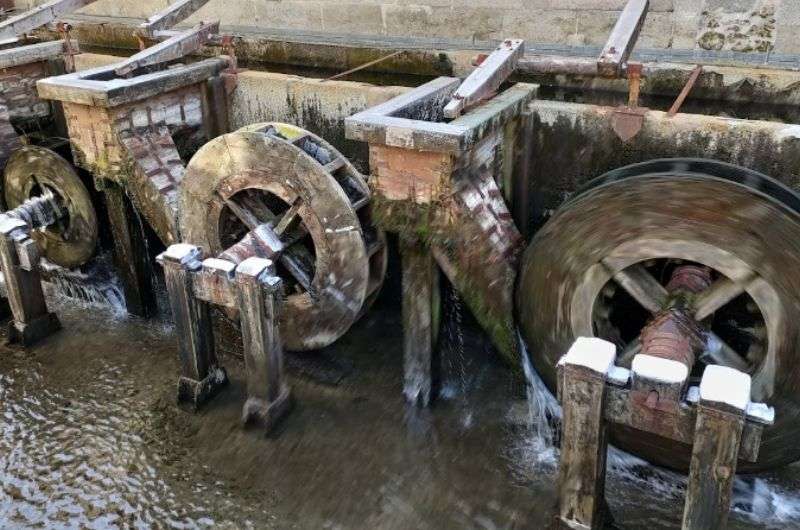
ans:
(642, 286)
(721, 353)
(712, 299)
(241, 213)
(254, 204)
(294, 265)
(290, 220)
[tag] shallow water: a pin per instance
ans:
(90, 438)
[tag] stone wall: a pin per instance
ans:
(737, 25)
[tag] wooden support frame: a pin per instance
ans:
(421, 310)
(717, 419)
(623, 38)
(19, 257)
(252, 288)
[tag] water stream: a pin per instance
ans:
(90, 438)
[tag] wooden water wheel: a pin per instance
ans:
(314, 205)
(30, 172)
(601, 267)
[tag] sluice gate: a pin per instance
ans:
(646, 259)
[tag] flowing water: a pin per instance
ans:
(90, 438)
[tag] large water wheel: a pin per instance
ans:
(32, 171)
(330, 256)
(597, 268)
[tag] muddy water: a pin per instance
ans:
(90, 438)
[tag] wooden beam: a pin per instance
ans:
(167, 18)
(421, 307)
(623, 38)
(484, 81)
(169, 50)
(38, 16)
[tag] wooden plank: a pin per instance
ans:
(484, 81)
(623, 38)
(172, 15)
(169, 50)
(38, 16)
(619, 409)
(441, 87)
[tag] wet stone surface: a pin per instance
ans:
(90, 438)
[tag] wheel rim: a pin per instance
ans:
(31, 170)
(631, 222)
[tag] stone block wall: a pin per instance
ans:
(739, 25)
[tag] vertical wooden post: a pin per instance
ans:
(583, 372)
(201, 377)
(215, 108)
(521, 180)
(259, 299)
(19, 257)
(721, 413)
(421, 305)
(131, 255)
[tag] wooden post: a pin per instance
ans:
(131, 255)
(19, 257)
(201, 376)
(583, 372)
(259, 299)
(421, 309)
(721, 413)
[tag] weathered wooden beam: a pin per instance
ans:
(38, 16)
(171, 49)
(164, 34)
(724, 396)
(623, 38)
(214, 283)
(484, 81)
(421, 308)
(93, 88)
(201, 376)
(172, 15)
(19, 257)
(583, 373)
(32, 53)
(259, 300)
